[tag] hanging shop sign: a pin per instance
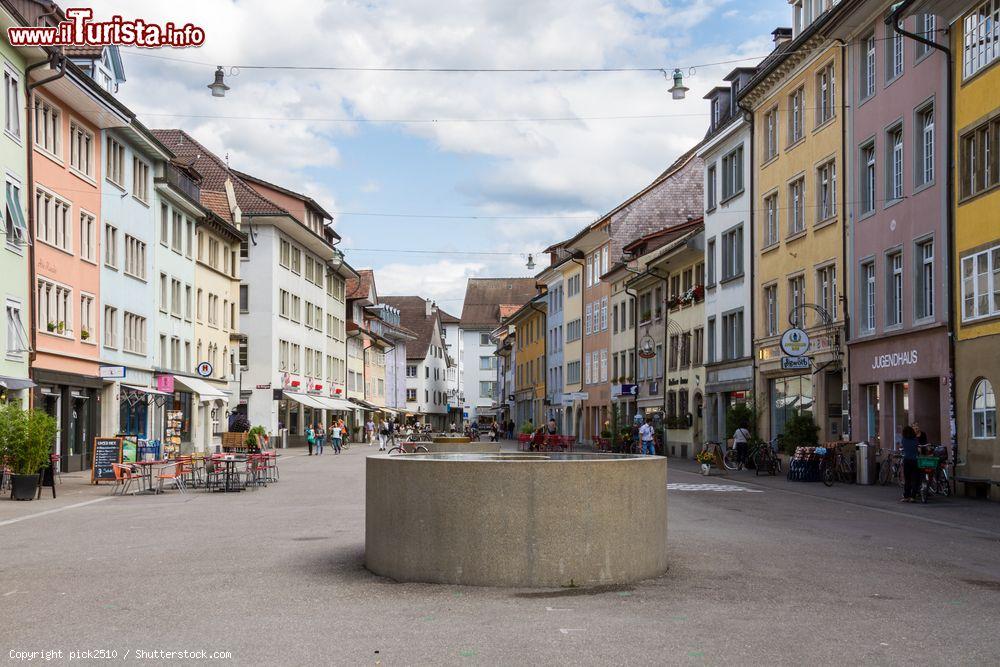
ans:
(795, 342)
(796, 363)
(647, 347)
(204, 369)
(112, 372)
(165, 383)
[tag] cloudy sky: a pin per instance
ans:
(440, 181)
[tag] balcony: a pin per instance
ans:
(178, 179)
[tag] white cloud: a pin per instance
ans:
(580, 167)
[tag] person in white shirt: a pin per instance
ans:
(369, 431)
(646, 435)
(741, 440)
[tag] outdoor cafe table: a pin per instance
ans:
(231, 480)
(146, 468)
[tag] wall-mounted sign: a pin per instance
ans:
(794, 342)
(204, 369)
(647, 347)
(895, 359)
(263, 386)
(165, 383)
(112, 372)
(796, 363)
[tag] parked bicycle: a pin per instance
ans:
(841, 469)
(407, 448)
(764, 458)
(891, 469)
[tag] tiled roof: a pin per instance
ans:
(83, 51)
(361, 287)
(484, 298)
(413, 315)
(215, 172)
(291, 193)
(448, 318)
(217, 203)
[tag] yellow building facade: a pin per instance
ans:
(976, 252)
(572, 344)
(529, 360)
(798, 238)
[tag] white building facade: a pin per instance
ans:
(726, 153)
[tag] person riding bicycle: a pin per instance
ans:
(741, 440)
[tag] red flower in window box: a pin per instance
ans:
(338, 390)
(295, 383)
(317, 387)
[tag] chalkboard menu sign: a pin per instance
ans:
(106, 452)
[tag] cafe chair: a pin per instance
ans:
(215, 473)
(125, 476)
(176, 476)
(54, 459)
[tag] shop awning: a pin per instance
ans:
(15, 384)
(335, 403)
(304, 399)
(145, 390)
(363, 404)
(206, 392)
(389, 411)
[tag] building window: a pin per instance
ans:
(981, 34)
(110, 246)
(81, 149)
(732, 253)
(796, 207)
(797, 297)
(796, 111)
(868, 296)
(111, 327)
(867, 77)
(732, 335)
(710, 197)
(825, 94)
(925, 280)
(925, 146)
(52, 224)
(487, 389)
(140, 180)
(48, 127)
(115, 163)
(55, 308)
(826, 289)
(244, 298)
(770, 220)
(979, 156)
(487, 363)
(732, 173)
(826, 177)
(573, 330)
(411, 371)
(134, 331)
(177, 232)
(981, 284)
(710, 260)
(894, 289)
(87, 317)
(894, 177)
(15, 225)
(867, 185)
(135, 257)
(88, 237)
(411, 395)
(698, 347)
(771, 134)
(164, 294)
(771, 314)
(984, 411)
(926, 26)
(894, 55)
(175, 298)
(604, 314)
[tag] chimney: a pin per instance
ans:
(428, 307)
(781, 35)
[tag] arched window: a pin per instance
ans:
(984, 410)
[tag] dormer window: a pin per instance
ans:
(733, 96)
(716, 112)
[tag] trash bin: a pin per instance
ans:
(866, 463)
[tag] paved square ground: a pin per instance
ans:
(763, 571)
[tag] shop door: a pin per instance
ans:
(900, 410)
(78, 431)
(51, 405)
(872, 411)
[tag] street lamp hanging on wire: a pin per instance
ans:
(678, 90)
(218, 86)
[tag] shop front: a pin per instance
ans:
(725, 388)
(74, 401)
(977, 382)
(816, 390)
(898, 381)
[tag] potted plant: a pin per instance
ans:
(26, 441)
(60, 327)
(705, 458)
(256, 439)
(50, 326)
(84, 334)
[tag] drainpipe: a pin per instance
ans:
(845, 367)
(56, 59)
(894, 20)
(752, 272)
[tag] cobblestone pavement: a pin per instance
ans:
(779, 573)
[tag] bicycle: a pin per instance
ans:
(764, 458)
(728, 457)
(401, 448)
(891, 468)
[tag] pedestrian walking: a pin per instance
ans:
(383, 435)
(911, 474)
(310, 438)
(647, 436)
(553, 427)
(320, 439)
(336, 436)
(369, 431)
(741, 440)
(511, 427)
